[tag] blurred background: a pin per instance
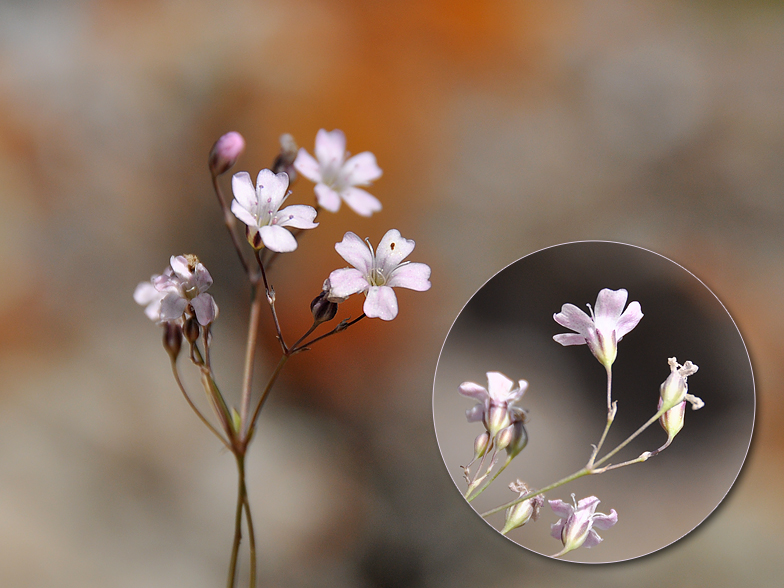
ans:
(502, 127)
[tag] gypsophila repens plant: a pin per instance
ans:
(504, 421)
(178, 300)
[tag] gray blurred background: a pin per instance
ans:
(502, 127)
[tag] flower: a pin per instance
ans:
(183, 286)
(336, 177)
(376, 273)
(225, 152)
(520, 513)
(259, 210)
(495, 406)
(604, 328)
(147, 295)
(576, 526)
(674, 392)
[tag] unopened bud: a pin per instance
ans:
(504, 437)
(284, 162)
(191, 330)
(497, 419)
(172, 339)
(519, 440)
(480, 445)
(519, 514)
(323, 310)
(225, 152)
(672, 420)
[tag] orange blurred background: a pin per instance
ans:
(502, 127)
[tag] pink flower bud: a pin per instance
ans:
(225, 152)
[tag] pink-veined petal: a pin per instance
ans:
(345, 282)
(561, 508)
(244, 192)
(556, 529)
(569, 339)
(327, 198)
(475, 413)
(381, 302)
(271, 189)
(360, 201)
(573, 318)
(172, 307)
(392, 250)
(201, 277)
(243, 214)
(414, 276)
(204, 307)
(603, 521)
(307, 166)
(278, 239)
(298, 216)
(355, 251)
(473, 390)
(629, 319)
(362, 169)
(609, 304)
(587, 504)
(499, 386)
(592, 540)
(330, 146)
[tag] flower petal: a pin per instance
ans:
(243, 215)
(145, 293)
(204, 307)
(392, 250)
(561, 508)
(362, 169)
(179, 264)
(592, 540)
(330, 146)
(172, 307)
(499, 386)
(603, 521)
(327, 198)
(570, 339)
(271, 189)
(355, 251)
(573, 318)
(628, 320)
(556, 529)
(360, 201)
(381, 302)
(244, 192)
(475, 413)
(609, 304)
(473, 390)
(414, 276)
(345, 282)
(307, 166)
(298, 216)
(278, 239)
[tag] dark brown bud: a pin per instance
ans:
(323, 310)
(191, 330)
(172, 339)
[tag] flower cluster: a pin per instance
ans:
(576, 526)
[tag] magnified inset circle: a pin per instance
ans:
(508, 327)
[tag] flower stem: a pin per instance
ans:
(251, 537)
(230, 222)
(553, 486)
(250, 354)
(498, 473)
(342, 326)
(202, 418)
(235, 548)
(252, 423)
(270, 292)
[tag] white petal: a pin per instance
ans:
(381, 302)
(327, 198)
(499, 386)
(307, 166)
(355, 251)
(570, 339)
(561, 508)
(202, 278)
(603, 521)
(473, 390)
(145, 293)
(172, 307)
(392, 250)
(362, 169)
(360, 201)
(243, 214)
(475, 413)
(628, 320)
(271, 189)
(609, 304)
(330, 146)
(298, 216)
(204, 307)
(573, 318)
(244, 192)
(180, 266)
(414, 276)
(345, 282)
(592, 540)
(278, 239)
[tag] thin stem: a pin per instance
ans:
(235, 547)
(251, 537)
(230, 221)
(650, 421)
(609, 388)
(251, 424)
(342, 326)
(250, 354)
(553, 486)
(498, 473)
(202, 418)
(271, 299)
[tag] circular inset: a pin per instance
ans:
(505, 334)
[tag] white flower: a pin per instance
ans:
(495, 406)
(575, 529)
(604, 328)
(258, 208)
(183, 287)
(336, 177)
(377, 273)
(148, 296)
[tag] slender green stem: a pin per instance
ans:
(631, 437)
(498, 473)
(235, 548)
(553, 486)
(251, 537)
(250, 354)
(252, 423)
(202, 418)
(342, 326)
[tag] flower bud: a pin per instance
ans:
(191, 330)
(497, 419)
(225, 152)
(323, 309)
(480, 445)
(519, 440)
(672, 420)
(172, 339)
(674, 393)
(519, 514)
(504, 437)
(284, 162)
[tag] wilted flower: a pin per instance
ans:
(183, 286)
(577, 523)
(377, 273)
(336, 177)
(522, 512)
(604, 328)
(674, 392)
(495, 406)
(258, 208)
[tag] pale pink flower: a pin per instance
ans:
(606, 326)
(148, 296)
(576, 526)
(337, 177)
(674, 392)
(376, 273)
(259, 209)
(495, 406)
(183, 286)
